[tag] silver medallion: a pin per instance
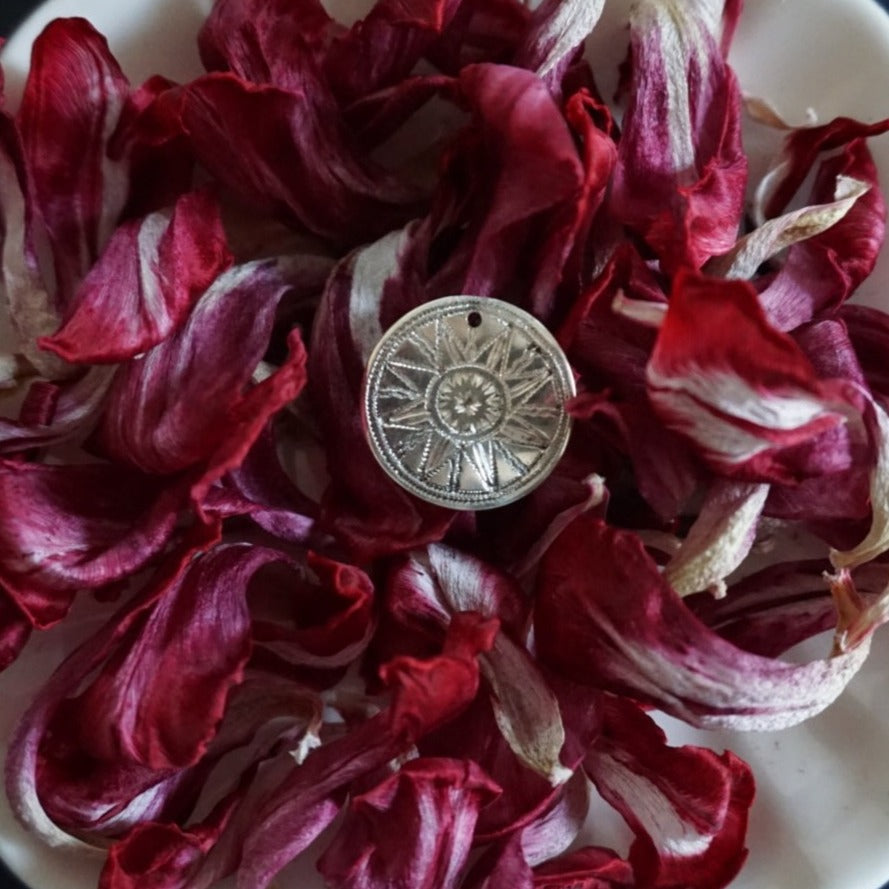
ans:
(464, 402)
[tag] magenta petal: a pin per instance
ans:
(189, 400)
(687, 806)
(743, 393)
(823, 271)
(286, 153)
(556, 33)
(150, 138)
(161, 852)
(260, 488)
(158, 855)
(771, 610)
(413, 829)
(31, 309)
(682, 170)
(630, 633)
(91, 802)
(802, 148)
(145, 283)
(53, 413)
(160, 700)
(65, 528)
(15, 630)
(72, 103)
(274, 828)
(501, 864)
(264, 41)
(590, 867)
(529, 212)
(868, 330)
(385, 45)
(320, 614)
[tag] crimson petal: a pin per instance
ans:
(801, 149)
(145, 283)
(630, 633)
(413, 829)
(591, 867)
(742, 392)
(286, 153)
(66, 528)
(822, 272)
(187, 402)
(198, 638)
(682, 170)
(269, 831)
(15, 630)
(72, 103)
(687, 806)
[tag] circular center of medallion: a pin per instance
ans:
(464, 402)
(468, 401)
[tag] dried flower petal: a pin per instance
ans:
(630, 633)
(413, 829)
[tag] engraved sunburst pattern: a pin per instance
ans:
(464, 402)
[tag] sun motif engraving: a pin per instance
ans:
(468, 414)
(469, 401)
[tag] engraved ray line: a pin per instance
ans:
(482, 460)
(405, 427)
(430, 350)
(456, 469)
(524, 434)
(520, 467)
(408, 442)
(540, 411)
(405, 364)
(397, 392)
(521, 367)
(406, 379)
(492, 353)
(424, 457)
(441, 449)
(453, 351)
(524, 389)
(414, 414)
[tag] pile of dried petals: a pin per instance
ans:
(193, 278)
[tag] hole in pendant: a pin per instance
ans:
(474, 319)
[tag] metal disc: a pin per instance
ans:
(464, 402)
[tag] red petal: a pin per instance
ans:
(144, 285)
(188, 401)
(65, 528)
(822, 272)
(627, 631)
(72, 103)
(264, 41)
(742, 392)
(317, 615)
(687, 806)
(384, 47)
(588, 868)
(286, 153)
(413, 829)
(159, 700)
(15, 630)
(682, 170)
(801, 150)
(54, 413)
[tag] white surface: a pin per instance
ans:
(821, 817)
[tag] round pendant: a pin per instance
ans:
(464, 402)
